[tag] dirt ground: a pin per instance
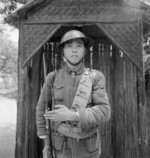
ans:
(8, 116)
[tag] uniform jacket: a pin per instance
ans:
(64, 89)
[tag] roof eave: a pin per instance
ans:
(23, 11)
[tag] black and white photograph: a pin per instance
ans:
(74, 78)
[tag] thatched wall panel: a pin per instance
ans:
(34, 36)
(127, 37)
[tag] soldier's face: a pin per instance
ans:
(74, 51)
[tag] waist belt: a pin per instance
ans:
(74, 131)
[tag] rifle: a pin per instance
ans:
(48, 107)
(50, 148)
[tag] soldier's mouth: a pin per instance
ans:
(74, 56)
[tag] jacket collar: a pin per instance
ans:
(78, 69)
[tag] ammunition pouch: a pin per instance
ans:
(57, 141)
(92, 143)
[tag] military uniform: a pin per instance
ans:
(64, 84)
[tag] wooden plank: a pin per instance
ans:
(141, 113)
(108, 89)
(96, 55)
(20, 127)
(131, 119)
(26, 110)
(127, 115)
(35, 93)
(119, 127)
(135, 111)
(87, 59)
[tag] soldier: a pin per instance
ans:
(79, 103)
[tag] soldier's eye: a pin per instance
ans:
(68, 45)
(80, 45)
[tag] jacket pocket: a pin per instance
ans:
(91, 143)
(58, 92)
(57, 141)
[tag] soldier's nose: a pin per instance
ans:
(74, 50)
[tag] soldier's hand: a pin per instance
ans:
(61, 113)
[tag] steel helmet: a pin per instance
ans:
(75, 34)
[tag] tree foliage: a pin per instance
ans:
(146, 46)
(8, 49)
(8, 60)
(146, 35)
(10, 6)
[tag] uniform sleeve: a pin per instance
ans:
(100, 112)
(44, 99)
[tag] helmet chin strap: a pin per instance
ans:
(66, 60)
